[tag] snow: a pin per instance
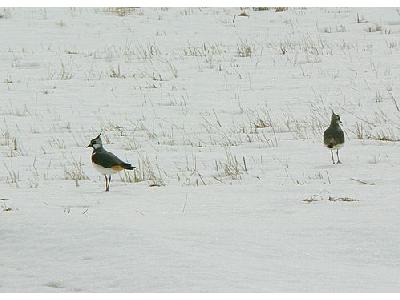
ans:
(223, 117)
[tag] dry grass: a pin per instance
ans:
(13, 176)
(122, 11)
(316, 198)
(244, 49)
(75, 172)
(231, 166)
(146, 170)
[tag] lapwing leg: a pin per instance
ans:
(333, 160)
(338, 159)
(107, 183)
(109, 180)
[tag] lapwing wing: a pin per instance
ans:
(105, 162)
(334, 137)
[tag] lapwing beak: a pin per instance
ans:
(89, 146)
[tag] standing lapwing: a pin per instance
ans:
(334, 136)
(105, 162)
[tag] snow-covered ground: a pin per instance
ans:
(223, 116)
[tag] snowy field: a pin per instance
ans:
(222, 111)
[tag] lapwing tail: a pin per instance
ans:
(128, 167)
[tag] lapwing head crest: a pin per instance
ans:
(335, 119)
(96, 142)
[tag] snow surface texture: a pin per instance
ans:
(223, 115)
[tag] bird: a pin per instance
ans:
(106, 162)
(334, 136)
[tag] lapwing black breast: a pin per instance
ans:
(334, 137)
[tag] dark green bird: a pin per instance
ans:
(105, 162)
(334, 137)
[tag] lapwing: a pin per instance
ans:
(334, 137)
(105, 162)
